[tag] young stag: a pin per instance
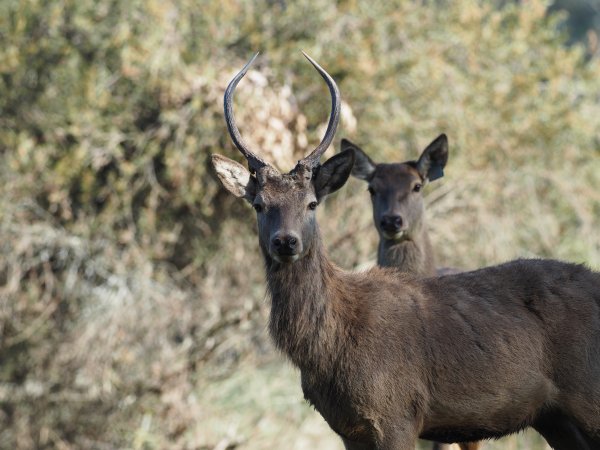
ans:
(398, 208)
(382, 355)
(399, 213)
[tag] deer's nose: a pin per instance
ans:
(285, 243)
(391, 223)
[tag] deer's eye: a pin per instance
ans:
(313, 205)
(417, 187)
(371, 190)
(257, 207)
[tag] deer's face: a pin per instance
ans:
(396, 188)
(285, 208)
(285, 204)
(397, 199)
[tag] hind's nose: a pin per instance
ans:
(391, 224)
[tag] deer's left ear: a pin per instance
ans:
(432, 161)
(333, 173)
(235, 177)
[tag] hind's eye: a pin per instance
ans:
(258, 208)
(417, 187)
(371, 190)
(312, 205)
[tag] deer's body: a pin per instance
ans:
(384, 356)
(380, 349)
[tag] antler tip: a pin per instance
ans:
(249, 63)
(312, 61)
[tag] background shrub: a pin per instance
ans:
(132, 310)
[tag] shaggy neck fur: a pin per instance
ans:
(412, 255)
(305, 296)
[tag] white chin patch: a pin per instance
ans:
(394, 236)
(286, 259)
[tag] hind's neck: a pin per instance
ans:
(412, 255)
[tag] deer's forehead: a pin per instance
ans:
(398, 175)
(285, 189)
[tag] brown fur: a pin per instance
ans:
(381, 350)
(382, 354)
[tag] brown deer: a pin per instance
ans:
(386, 357)
(398, 208)
(399, 213)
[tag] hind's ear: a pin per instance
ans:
(235, 177)
(432, 161)
(334, 173)
(364, 167)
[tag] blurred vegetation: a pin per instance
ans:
(132, 310)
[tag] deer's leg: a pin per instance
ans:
(562, 434)
(399, 436)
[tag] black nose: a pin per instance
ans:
(391, 224)
(285, 244)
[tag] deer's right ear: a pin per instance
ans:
(364, 167)
(235, 177)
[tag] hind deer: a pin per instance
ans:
(386, 357)
(399, 213)
(398, 208)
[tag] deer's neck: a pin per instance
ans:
(412, 255)
(305, 296)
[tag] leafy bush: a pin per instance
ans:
(131, 283)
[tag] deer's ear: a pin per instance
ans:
(333, 173)
(364, 167)
(235, 177)
(432, 161)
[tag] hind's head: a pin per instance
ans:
(396, 189)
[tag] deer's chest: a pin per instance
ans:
(343, 411)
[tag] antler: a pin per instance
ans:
(312, 160)
(254, 161)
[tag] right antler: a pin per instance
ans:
(254, 161)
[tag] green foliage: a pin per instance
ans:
(129, 281)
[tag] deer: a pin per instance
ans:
(398, 206)
(396, 192)
(387, 357)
